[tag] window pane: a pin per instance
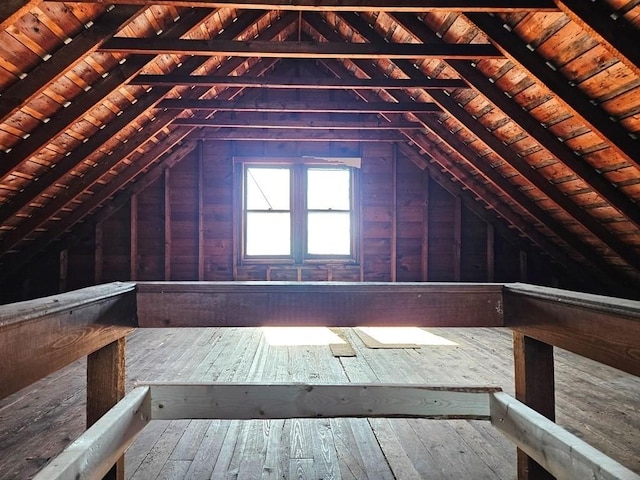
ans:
(329, 233)
(268, 188)
(328, 189)
(268, 233)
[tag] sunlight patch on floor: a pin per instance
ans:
(408, 335)
(296, 336)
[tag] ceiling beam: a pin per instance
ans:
(577, 102)
(291, 49)
(297, 106)
(611, 30)
(302, 135)
(12, 10)
(64, 58)
(281, 82)
(14, 237)
(358, 5)
(528, 123)
(299, 124)
(482, 166)
(80, 105)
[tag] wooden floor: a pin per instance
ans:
(599, 404)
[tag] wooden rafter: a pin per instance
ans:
(297, 106)
(76, 109)
(449, 105)
(12, 10)
(300, 135)
(359, 6)
(572, 97)
(290, 49)
(483, 167)
(297, 82)
(300, 124)
(65, 58)
(610, 29)
(528, 123)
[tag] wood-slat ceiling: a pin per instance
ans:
(533, 106)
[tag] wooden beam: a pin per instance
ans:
(281, 82)
(576, 102)
(40, 336)
(457, 239)
(301, 124)
(561, 453)
(302, 135)
(105, 388)
(262, 49)
(535, 387)
(317, 304)
(201, 215)
(609, 28)
(12, 10)
(424, 250)
(133, 242)
(232, 401)
(359, 6)
(96, 450)
(605, 329)
(167, 224)
(297, 106)
(394, 213)
(491, 257)
(448, 104)
(98, 258)
(64, 59)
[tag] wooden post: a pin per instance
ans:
(134, 238)
(491, 259)
(105, 388)
(98, 254)
(534, 377)
(425, 227)
(394, 214)
(167, 225)
(201, 211)
(457, 239)
(64, 270)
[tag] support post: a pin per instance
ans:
(534, 378)
(105, 388)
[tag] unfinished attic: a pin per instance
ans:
(329, 239)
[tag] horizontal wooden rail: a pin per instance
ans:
(332, 304)
(38, 337)
(96, 450)
(562, 454)
(601, 328)
(174, 401)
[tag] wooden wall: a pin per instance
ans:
(181, 228)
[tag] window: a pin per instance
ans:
(298, 212)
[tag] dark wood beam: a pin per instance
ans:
(359, 6)
(199, 304)
(301, 124)
(271, 81)
(297, 106)
(76, 188)
(12, 10)
(89, 99)
(450, 105)
(290, 49)
(470, 156)
(577, 102)
(528, 123)
(301, 135)
(64, 58)
(612, 31)
(78, 107)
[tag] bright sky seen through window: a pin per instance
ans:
(269, 211)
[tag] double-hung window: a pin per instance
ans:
(298, 212)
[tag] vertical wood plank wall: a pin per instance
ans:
(197, 242)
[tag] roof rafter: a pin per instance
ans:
(292, 49)
(298, 124)
(65, 58)
(572, 97)
(491, 174)
(358, 5)
(12, 10)
(528, 123)
(297, 82)
(610, 29)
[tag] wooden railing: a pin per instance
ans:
(41, 336)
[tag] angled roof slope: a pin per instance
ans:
(532, 106)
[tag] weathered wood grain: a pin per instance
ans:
(317, 304)
(40, 336)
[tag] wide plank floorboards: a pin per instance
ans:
(597, 403)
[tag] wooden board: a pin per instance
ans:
(318, 304)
